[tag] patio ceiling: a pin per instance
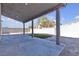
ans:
(26, 12)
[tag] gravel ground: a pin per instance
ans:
(71, 46)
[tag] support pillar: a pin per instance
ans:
(23, 28)
(57, 26)
(32, 28)
(0, 21)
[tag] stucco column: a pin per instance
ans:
(23, 28)
(57, 26)
(32, 28)
(0, 21)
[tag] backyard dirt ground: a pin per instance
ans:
(71, 46)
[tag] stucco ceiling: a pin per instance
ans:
(25, 12)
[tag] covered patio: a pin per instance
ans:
(24, 13)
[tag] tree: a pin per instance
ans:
(44, 22)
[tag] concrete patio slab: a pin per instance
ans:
(20, 45)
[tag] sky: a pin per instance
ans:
(68, 14)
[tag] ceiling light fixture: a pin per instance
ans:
(26, 3)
